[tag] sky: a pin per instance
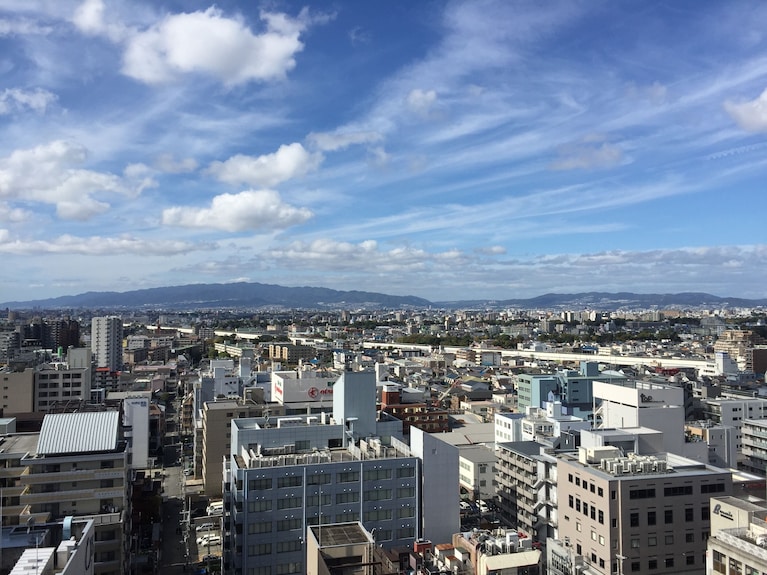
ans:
(448, 150)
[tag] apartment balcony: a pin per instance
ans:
(30, 498)
(6, 472)
(69, 476)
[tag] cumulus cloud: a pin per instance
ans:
(13, 99)
(89, 19)
(420, 101)
(268, 170)
(11, 214)
(332, 141)
(588, 154)
(248, 210)
(210, 43)
(49, 174)
(750, 115)
(491, 250)
(96, 246)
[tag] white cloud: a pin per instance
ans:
(420, 101)
(750, 115)
(47, 174)
(588, 154)
(168, 164)
(248, 210)
(268, 170)
(332, 141)
(96, 246)
(89, 19)
(491, 250)
(11, 214)
(22, 27)
(210, 43)
(12, 99)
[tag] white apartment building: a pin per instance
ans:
(106, 342)
(733, 412)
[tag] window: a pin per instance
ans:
(260, 527)
(377, 494)
(570, 477)
(677, 490)
(668, 516)
(374, 474)
(350, 497)
(348, 476)
(405, 472)
(578, 526)
(290, 481)
(571, 500)
(289, 503)
(260, 484)
(286, 568)
(288, 524)
(378, 515)
(669, 539)
(600, 492)
(577, 504)
(288, 546)
(256, 506)
(652, 564)
(635, 566)
(592, 487)
(601, 517)
(613, 494)
(593, 535)
(635, 542)
(652, 541)
(689, 514)
(634, 519)
(641, 493)
(712, 488)
(405, 492)
(317, 501)
(260, 549)
(602, 540)
(585, 508)
(578, 481)
(690, 559)
(405, 532)
(669, 562)
(651, 517)
(347, 517)
(406, 512)
(318, 479)
(689, 537)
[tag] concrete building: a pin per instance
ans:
(637, 514)
(80, 469)
(547, 423)
(59, 383)
(526, 481)
(339, 548)
(303, 391)
(286, 474)
(215, 443)
(106, 342)
(739, 344)
(738, 542)
(477, 471)
(733, 412)
(720, 440)
(18, 390)
(754, 441)
(534, 389)
(14, 449)
(508, 427)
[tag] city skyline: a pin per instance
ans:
(458, 150)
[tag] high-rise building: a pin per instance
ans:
(106, 342)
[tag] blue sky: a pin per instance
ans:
(450, 150)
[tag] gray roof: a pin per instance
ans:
(81, 432)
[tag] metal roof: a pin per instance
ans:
(81, 432)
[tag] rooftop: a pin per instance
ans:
(81, 432)
(340, 534)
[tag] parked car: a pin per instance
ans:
(207, 527)
(209, 539)
(188, 471)
(215, 508)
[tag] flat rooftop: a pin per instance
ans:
(340, 534)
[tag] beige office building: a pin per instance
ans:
(637, 514)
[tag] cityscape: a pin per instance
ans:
(472, 287)
(383, 441)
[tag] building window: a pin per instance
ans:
(288, 524)
(669, 562)
(634, 519)
(377, 494)
(689, 537)
(405, 492)
(652, 564)
(652, 541)
(262, 505)
(669, 539)
(651, 517)
(406, 472)
(600, 492)
(635, 566)
(260, 549)
(350, 497)
(260, 527)
(668, 516)
(348, 476)
(288, 546)
(635, 543)
(705, 513)
(260, 484)
(601, 517)
(290, 481)
(377, 515)
(289, 503)
(689, 559)
(689, 514)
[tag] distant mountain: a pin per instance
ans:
(221, 296)
(612, 301)
(256, 295)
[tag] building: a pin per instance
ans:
(341, 548)
(637, 514)
(719, 439)
(738, 542)
(477, 471)
(215, 443)
(549, 423)
(739, 344)
(106, 342)
(291, 353)
(286, 474)
(57, 383)
(80, 469)
(754, 440)
(420, 415)
(18, 390)
(734, 412)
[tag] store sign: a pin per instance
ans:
(314, 392)
(721, 512)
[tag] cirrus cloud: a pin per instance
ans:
(97, 246)
(16, 99)
(248, 210)
(332, 141)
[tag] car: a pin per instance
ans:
(209, 539)
(206, 527)
(188, 471)
(209, 557)
(465, 506)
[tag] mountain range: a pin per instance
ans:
(244, 295)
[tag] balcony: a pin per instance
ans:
(30, 497)
(72, 475)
